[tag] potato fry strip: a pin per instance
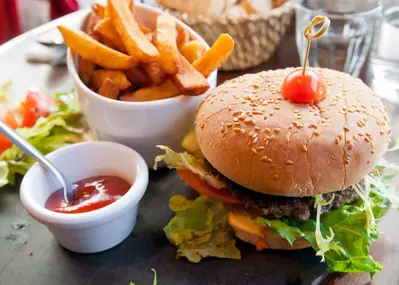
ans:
(166, 90)
(215, 56)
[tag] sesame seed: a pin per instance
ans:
(269, 160)
(276, 108)
(254, 135)
(271, 113)
(290, 126)
(287, 137)
(350, 146)
(277, 130)
(254, 152)
(268, 131)
(242, 131)
(313, 126)
(333, 156)
(264, 118)
(255, 140)
(264, 158)
(242, 117)
(340, 136)
(253, 122)
(275, 177)
(237, 124)
(347, 160)
(229, 108)
(322, 110)
(381, 132)
(251, 133)
(372, 151)
(257, 112)
(389, 131)
(272, 137)
(235, 119)
(257, 128)
(304, 148)
(355, 137)
(316, 133)
(336, 140)
(368, 135)
(273, 166)
(361, 134)
(348, 141)
(247, 120)
(346, 129)
(323, 121)
(289, 162)
(363, 106)
(261, 148)
(296, 110)
(367, 139)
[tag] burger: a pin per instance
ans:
(284, 175)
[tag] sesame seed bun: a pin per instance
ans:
(249, 133)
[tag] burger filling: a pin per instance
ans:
(334, 224)
(277, 207)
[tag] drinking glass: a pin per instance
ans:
(347, 43)
(383, 66)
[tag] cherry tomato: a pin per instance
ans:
(301, 88)
(204, 189)
(36, 105)
(9, 119)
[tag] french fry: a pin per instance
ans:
(182, 36)
(106, 29)
(86, 69)
(137, 76)
(107, 10)
(88, 48)
(215, 56)
(137, 45)
(117, 77)
(165, 90)
(155, 72)
(192, 50)
(109, 89)
(188, 79)
(165, 42)
(98, 9)
(92, 22)
(144, 29)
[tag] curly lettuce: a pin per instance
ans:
(200, 229)
(184, 160)
(63, 127)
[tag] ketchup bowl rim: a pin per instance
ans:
(91, 218)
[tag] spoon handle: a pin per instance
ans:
(30, 150)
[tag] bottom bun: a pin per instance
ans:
(262, 237)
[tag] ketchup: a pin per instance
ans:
(92, 193)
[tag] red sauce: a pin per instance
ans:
(92, 193)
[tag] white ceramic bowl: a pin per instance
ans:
(100, 229)
(140, 125)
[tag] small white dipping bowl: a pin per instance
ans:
(140, 125)
(100, 229)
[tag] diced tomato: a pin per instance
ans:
(9, 119)
(203, 188)
(36, 105)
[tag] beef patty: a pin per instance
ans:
(277, 207)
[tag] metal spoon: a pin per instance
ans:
(25, 146)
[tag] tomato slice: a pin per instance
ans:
(36, 105)
(203, 188)
(10, 119)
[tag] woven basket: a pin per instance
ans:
(256, 36)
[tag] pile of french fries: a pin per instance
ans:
(123, 60)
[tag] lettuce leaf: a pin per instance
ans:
(61, 128)
(349, 225)
(184, 160)
(200, 229)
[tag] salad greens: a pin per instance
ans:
(155, 278)
(200, 229)
(63, 127)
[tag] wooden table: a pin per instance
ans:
(29, 254)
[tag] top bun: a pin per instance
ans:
(256, 138)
